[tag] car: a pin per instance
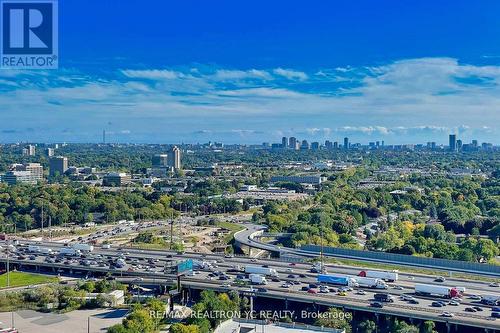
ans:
(341, 293)
(413, 301)
(469, 309)
(291, 276)
(265, 266)
(477, 308)
(292, 264)
(312, 291)
(454, 303)
(305, 288)
(253, 260)
(302, 276)
(495, 314)
(440, 279)
(226, 285)
(437, 304)
(475, 297)
(361, 292)
(323, 289)
(447, 314)
(289, 270)
(275, 279)
(376, 305)
(285, 285)
(333, 289)
(262, 290)
(495, 309)
(397, 287)
(494, 284)
(313, 285)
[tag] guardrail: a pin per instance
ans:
(395, 258)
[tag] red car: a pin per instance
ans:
(312, 291)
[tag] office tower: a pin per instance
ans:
(474, 143)
(174, 158)
(160, 160)
(58, 165)
(50, 152)
(29, 173)
(335, 145)
(315, 145)
(377, 144)
(346, 143)
(292, 142)
(116, 179)
(284, 142)
(328, 144)
(29, 150)
(459, 145)
(304, 145)
(453, 142)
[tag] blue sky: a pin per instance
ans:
(153, 71)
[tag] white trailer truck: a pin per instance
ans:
(384, 275)
(83, 247)
(257, 279)
(260, 270)
(439, 291)
(365, 282)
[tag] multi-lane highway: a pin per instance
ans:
(156, 267)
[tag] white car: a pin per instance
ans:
(361, 292)
(447, 314)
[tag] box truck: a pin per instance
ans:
(384, 275)
(69, 251)
(440, 291)
(342, 280)
(83, 247)
(257, 279)
(365, 282)
(260, 270)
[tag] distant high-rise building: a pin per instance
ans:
(174, 158)
(284, 142)
(304, 145)
(160, 160)
(453, 142)
(474, 143)
(29, 150)
(58, 165)
(335, 145)
(50, 152)
(315, 145)
(328, 144)
(292, 142)
(459, 145)
(346, 143)
(30, 172)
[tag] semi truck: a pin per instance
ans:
(440, 291)
(383, 275)
(69, 251)
(83, 247)
(491, 300)
(257, 279)
(366, 282)
(342, 280)
(261, 270)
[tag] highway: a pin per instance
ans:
(156, 267)
(248, 237)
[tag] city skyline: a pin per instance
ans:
(202, 77)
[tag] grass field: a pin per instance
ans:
(233, 227)
(19, 279)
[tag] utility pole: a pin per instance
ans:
(42, 221)
(321, 253)
(50, 228)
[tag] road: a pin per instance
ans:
(149, 266)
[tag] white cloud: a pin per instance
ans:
(290, 74)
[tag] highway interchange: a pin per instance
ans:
(150, 267)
